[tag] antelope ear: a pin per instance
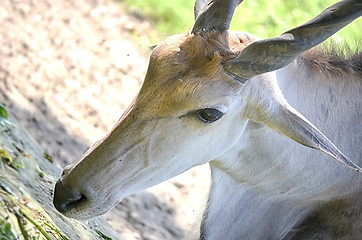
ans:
(289, 122)
(267, 106)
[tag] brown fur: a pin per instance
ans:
(334, 61)
(196, 54)
(184, 65)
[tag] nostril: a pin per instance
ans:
(72, 203)
(65, 199)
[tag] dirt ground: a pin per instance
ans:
(68, 69)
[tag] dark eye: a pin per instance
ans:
(209, 115)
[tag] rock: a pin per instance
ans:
(26, 188)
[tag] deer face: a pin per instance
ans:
(200, 91)
(188, 112)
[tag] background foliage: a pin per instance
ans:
(262, 18)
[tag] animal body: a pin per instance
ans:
(241, 104)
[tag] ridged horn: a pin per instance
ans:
(274, 53)
(213, 14)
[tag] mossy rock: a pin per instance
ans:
(27, 179)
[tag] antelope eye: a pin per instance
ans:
(209, 115)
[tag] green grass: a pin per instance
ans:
(262, 18)
(169, 16)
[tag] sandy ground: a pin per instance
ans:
(68, 69)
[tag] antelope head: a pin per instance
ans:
(200, 91)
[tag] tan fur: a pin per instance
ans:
(186, 64)
(334, 61)
(199, 54)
